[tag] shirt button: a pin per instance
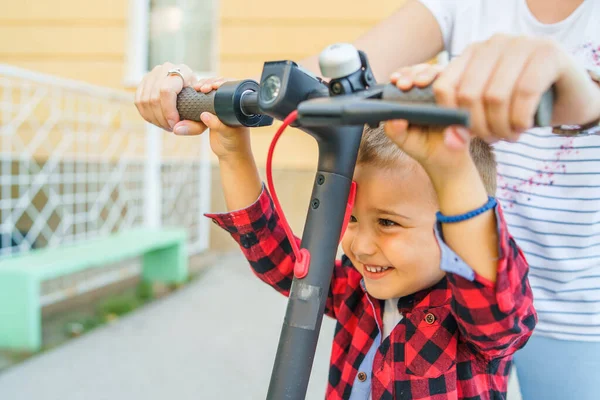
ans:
(362, 376)
(430, 318)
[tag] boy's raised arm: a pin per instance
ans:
(252, 220)
(487, 272)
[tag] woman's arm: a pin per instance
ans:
(410, 36)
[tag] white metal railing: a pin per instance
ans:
(77, 161)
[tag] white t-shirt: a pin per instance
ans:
(391, 317)
(549, 186)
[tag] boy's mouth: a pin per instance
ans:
(373, 272)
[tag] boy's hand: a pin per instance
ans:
(428, 146)
(227, 142)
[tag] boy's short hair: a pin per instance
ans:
(378, 150)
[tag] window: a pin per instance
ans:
(179, 31)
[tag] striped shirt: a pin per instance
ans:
(549, 186)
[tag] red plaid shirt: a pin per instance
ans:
(455, 341)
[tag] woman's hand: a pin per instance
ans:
(156, 97)
(501, 81)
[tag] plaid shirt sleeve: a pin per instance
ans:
(496, 318)
(261, 237)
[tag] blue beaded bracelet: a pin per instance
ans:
(491, 203)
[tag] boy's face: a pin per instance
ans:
(391, 231)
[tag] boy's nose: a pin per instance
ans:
(363, 246)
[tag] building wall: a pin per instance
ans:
(82, 40)
(86, 40)
(287, 30)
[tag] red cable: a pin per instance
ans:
(302, 255)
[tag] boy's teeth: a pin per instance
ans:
(375, 269)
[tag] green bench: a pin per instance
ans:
(165, 259)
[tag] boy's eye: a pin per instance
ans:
(352, 218)
(386, 222)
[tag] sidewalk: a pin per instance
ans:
(214, 339)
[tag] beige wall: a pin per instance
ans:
(77, 39)
(287, 30)
(87, 40)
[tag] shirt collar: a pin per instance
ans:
(434, 296)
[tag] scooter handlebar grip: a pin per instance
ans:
(543, 116)
(191, 104)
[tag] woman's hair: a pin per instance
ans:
(378, 150)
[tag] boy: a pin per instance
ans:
(414, 321)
